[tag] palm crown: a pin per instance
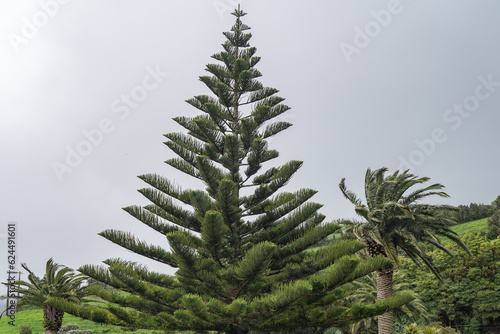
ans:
(395, 220)
(59, 281)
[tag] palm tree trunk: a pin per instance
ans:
(384, 290)
(52, 319)
(384, 287)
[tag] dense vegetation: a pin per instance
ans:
(469, 297)
(467, 301)
(475, 211)
(494, 225)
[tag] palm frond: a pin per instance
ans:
(394, 217)
(349, 194)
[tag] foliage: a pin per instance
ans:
(239, 245)
(476, 226)
(411, 329)
(427, 329)
(59, 282)
(471, 288)
(496, 203)
(494, 225)
(365, 291)
(473, 211)
(73, 329)
(394, 221)
(25, 329)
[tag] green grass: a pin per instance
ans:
(475, 226)
(34, 318)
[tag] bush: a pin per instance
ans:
(68, 327)
(494, 225)
(25, 329)
(474, 327)
(432, 328)
(73, 329)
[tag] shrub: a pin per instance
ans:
(73, 329)
(494, 225)
(25, 329)
(68, 327)
(432, 328)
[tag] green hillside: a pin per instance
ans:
(34, 318)
(475, 226)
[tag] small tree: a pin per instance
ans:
(496, 203)
(241, 245)
(25, 329)
(494, 225)
(59, 282)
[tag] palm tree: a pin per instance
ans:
(394, 221)
(366, 292)
(59, 281)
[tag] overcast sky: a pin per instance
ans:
(402, 84)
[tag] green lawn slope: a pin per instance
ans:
(475, 226)
(34, 318)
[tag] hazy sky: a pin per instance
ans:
(401, 84)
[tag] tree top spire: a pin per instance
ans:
(238, 12)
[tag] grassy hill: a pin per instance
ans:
(475, 226)
(34, 318)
